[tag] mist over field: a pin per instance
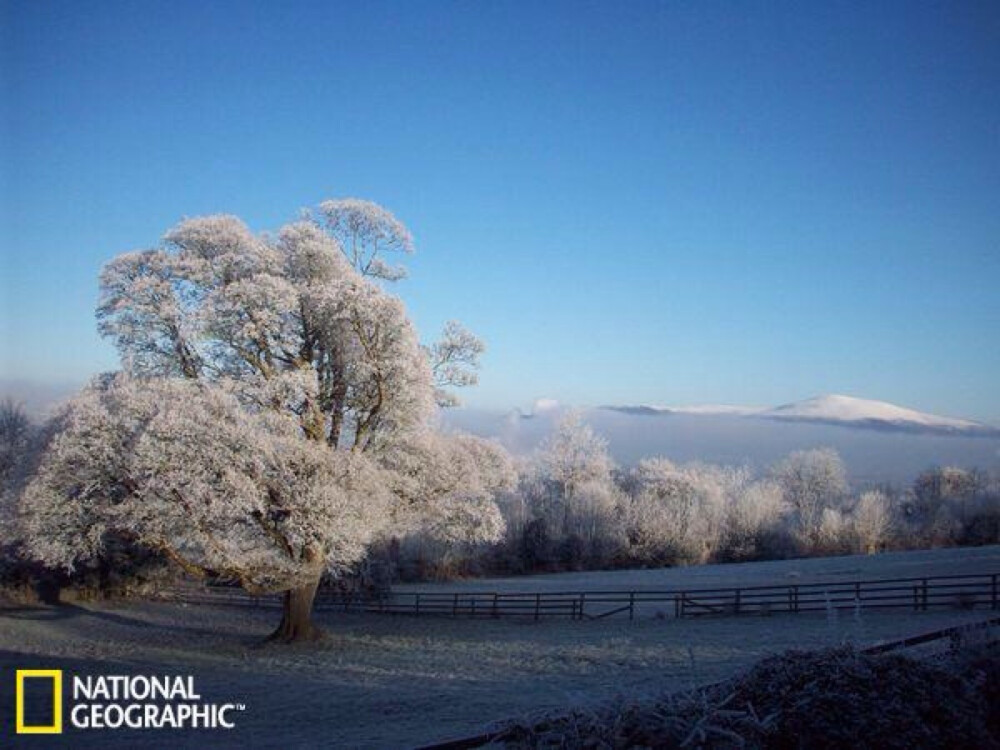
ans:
(871, 455)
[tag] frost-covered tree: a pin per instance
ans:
(833, 536)
(317, 388)
(574, 455)
(15, 436)
(871, 520)
(450, 487)
(661, 509)
(180, 467)
(661, 513)
(365, 232)
(447, 486)
(945, 483)
(580, 497)
(812, 481)
(941, 501)
(753, 517)
(454, 361)
(678, 512)
(288, 321)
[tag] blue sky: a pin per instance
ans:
(747, 202)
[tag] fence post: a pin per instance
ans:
(583, 599)
(538, 605)
(454, 606)
(925, 596)
(916, 597)
(993, 591)
(416, 605)
(736, 608)
(496, 607)
(631, 605)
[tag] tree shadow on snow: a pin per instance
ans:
(67, 611)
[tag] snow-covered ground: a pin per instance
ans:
(396, 682)
(958, 561)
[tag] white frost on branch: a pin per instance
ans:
(454, 361)
(365, 231)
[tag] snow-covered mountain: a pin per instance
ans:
(865, 412)
(835, 409)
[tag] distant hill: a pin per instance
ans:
(835, 409)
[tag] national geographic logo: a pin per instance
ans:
(115, 702)
(55, 677)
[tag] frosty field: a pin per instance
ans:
(391, 682)
(952, 561)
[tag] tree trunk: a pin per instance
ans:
(296, 619)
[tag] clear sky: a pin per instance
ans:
(682, 202)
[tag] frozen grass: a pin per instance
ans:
(396, 682)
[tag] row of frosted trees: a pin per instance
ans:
(573, 509)
(569, 508)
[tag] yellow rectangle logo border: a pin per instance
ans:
(56, 726)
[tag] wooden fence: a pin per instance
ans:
(981, 591)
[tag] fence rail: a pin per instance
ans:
(980, 591)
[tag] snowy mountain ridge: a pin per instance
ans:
(833, 409)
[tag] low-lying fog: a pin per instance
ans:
(871, 455)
